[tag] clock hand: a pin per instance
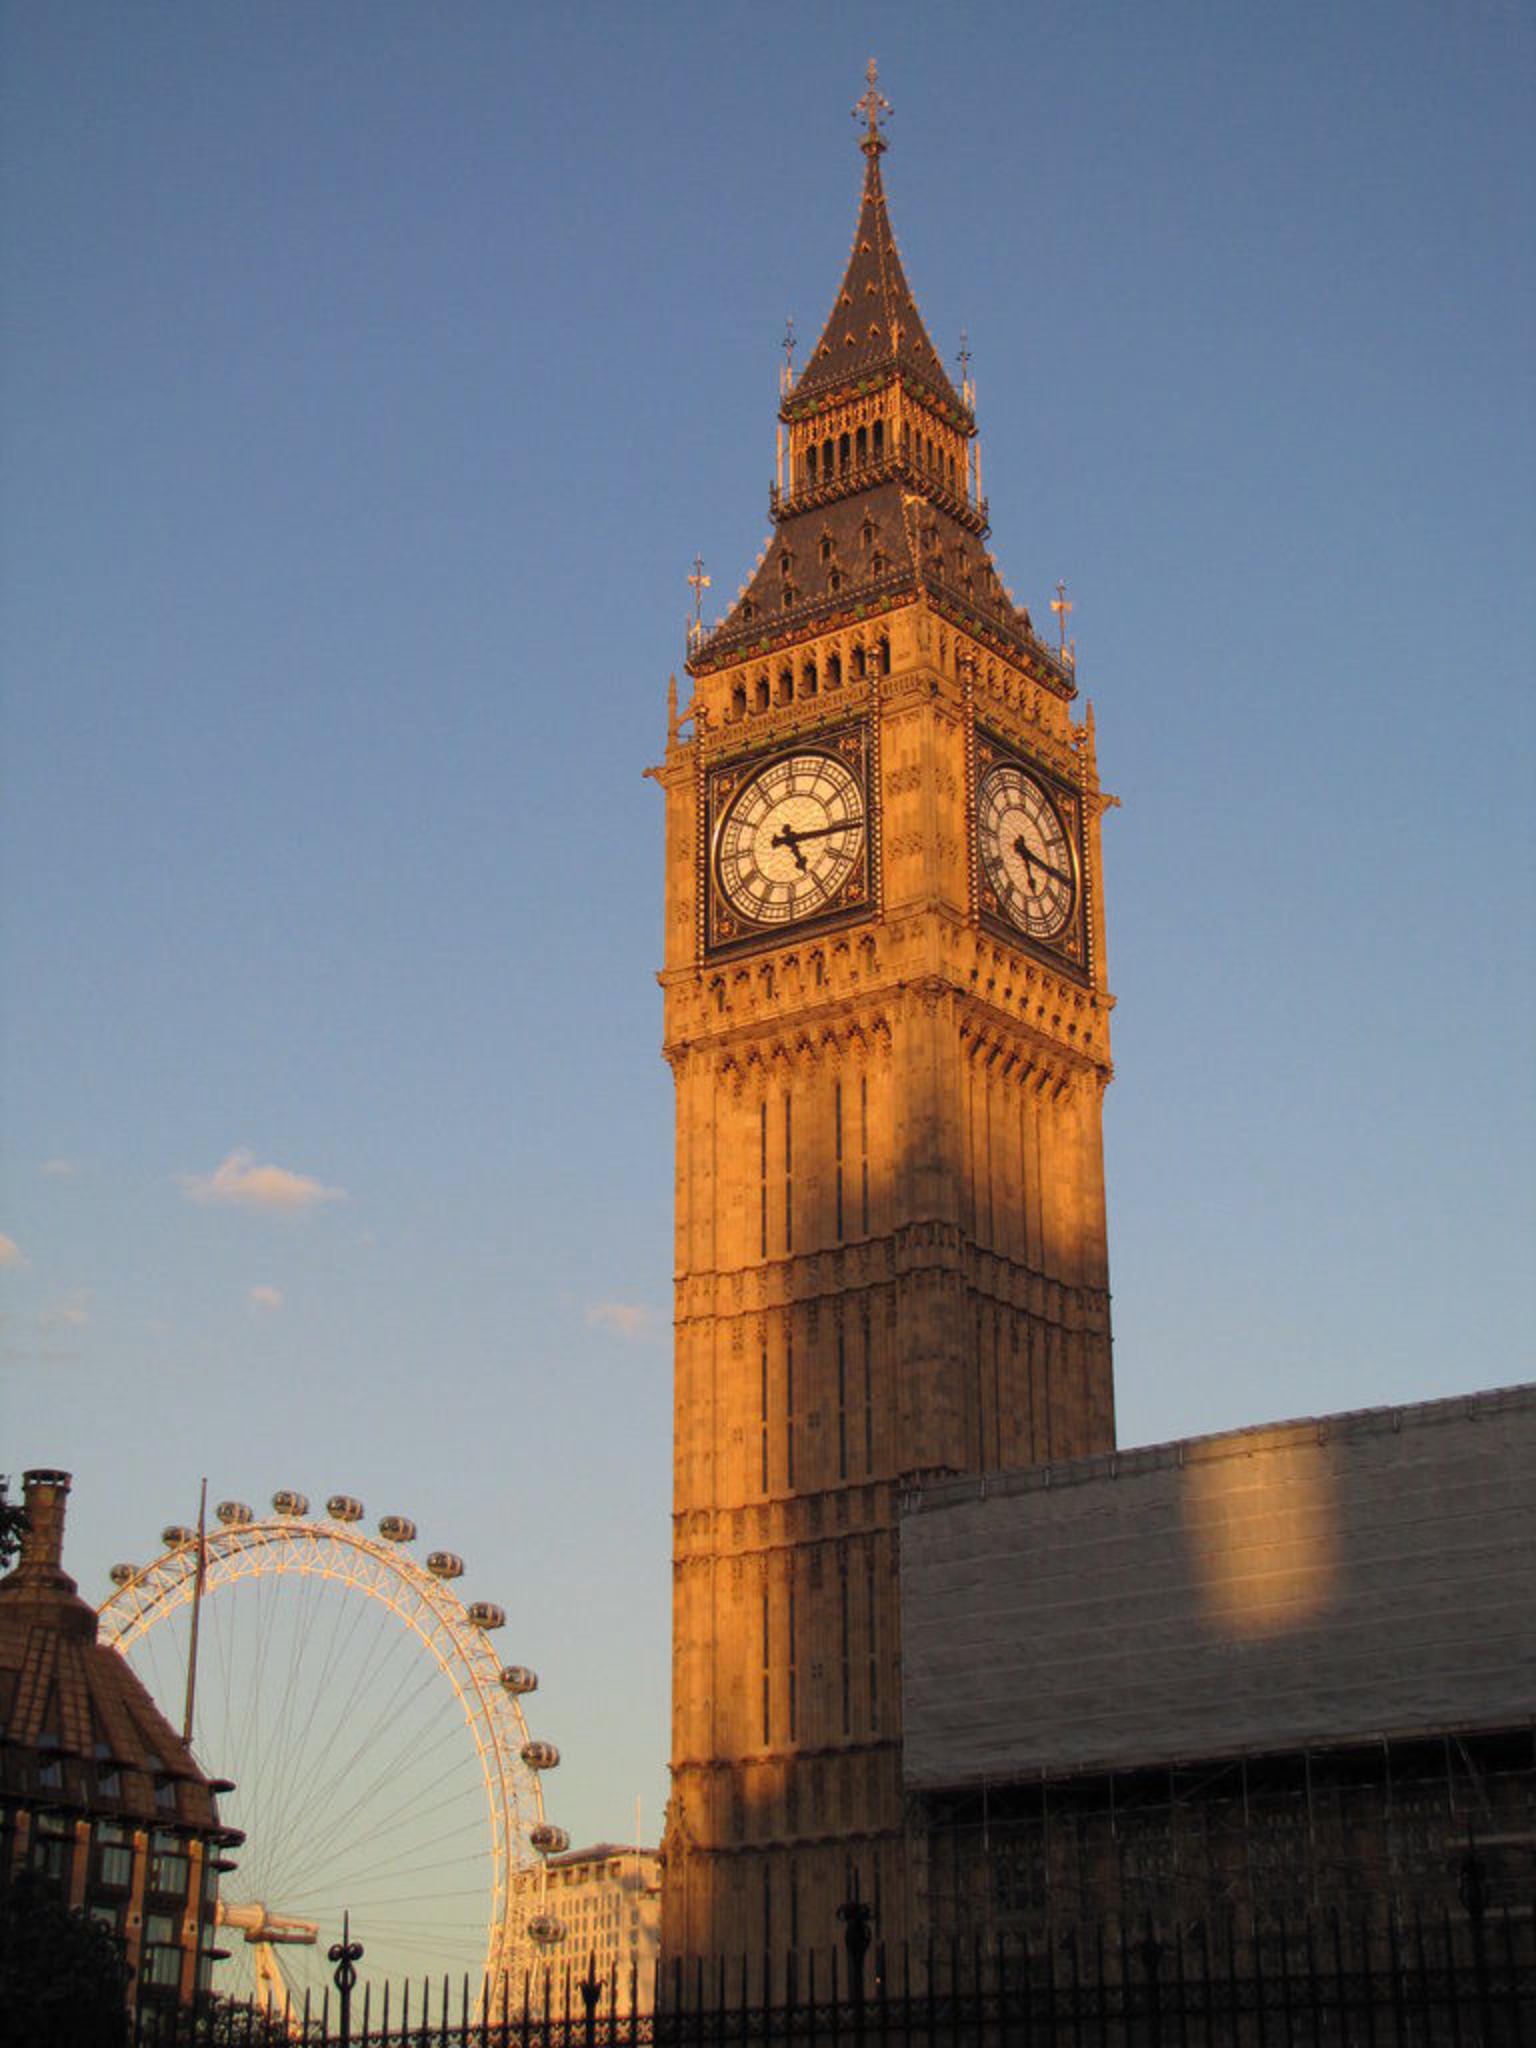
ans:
(791, 835)
(1033, 860)
(791, 838)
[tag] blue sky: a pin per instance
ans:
(371, 376)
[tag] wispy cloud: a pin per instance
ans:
(10, 1251)
(263, 1300)
(627, 1319)
(241, 1183)
(65, 1315)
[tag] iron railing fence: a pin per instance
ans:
(1415, 1981)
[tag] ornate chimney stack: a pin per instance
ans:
(42, 1548)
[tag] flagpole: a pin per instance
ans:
(197, 1611)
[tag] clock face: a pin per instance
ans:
(791, 838)
(1026, 855)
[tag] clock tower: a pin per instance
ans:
(888, 1026)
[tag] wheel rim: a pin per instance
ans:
(328, 1670)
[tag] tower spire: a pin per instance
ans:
(874, 327)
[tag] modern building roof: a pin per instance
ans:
(598, 1852)
(1343, 1579)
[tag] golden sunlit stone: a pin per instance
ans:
(890, 1233)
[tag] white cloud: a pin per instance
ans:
(10, 1251)
(239, 1181)
(68, 1315)
(263, 1300)
(58, 1169)
(628, 1319)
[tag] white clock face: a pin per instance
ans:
(1025, 852)
(791, 839)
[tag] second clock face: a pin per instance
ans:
(791, 839)
(1025, 852)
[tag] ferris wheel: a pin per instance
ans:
(375, 1746)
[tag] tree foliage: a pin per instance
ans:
(13, 1525)
(63, 1977)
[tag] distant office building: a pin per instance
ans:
(97, 1790)
(599, 1904)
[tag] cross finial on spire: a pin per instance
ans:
(787, 374)
(1061, 605)
(699, 583)
(872, 106)
(967, 389)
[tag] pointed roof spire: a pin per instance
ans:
(874, 324)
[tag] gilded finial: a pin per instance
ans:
(1061, 605)
(873, 106)
(967, 388)
(787, 374)
(699, 583)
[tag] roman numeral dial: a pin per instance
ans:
(791, 839)
(1026, 855)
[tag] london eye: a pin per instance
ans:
(375, 1742)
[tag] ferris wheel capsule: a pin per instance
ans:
(177, 1536)
(545, 1929)
(287, 1502)
(234, 1514)
(549, 1840)
(341, 1507)
(397, 1529)
(486, 1614)
(445, 1564)
(121, 1574)
(540, 1756)
(517, 1678)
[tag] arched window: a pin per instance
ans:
(808, 677)
(739, 701)
(879, 439)
(861, 447)
(867, 533)
(883, 650)
(842, 454)
(810, 465)
(859, 662)
(834, 581)
(906, 439)
(951, 472)
(826, 547)
(786, 685)
(826, 460)
(834, 671)
(760, 692)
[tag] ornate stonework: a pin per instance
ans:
(890, 1233)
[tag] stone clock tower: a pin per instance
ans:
(888, 1026)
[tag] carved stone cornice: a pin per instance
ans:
(855, 1273)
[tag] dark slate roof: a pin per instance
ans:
(69, 1699)
(874, 324)
(1309, 1584)
(915, 545)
